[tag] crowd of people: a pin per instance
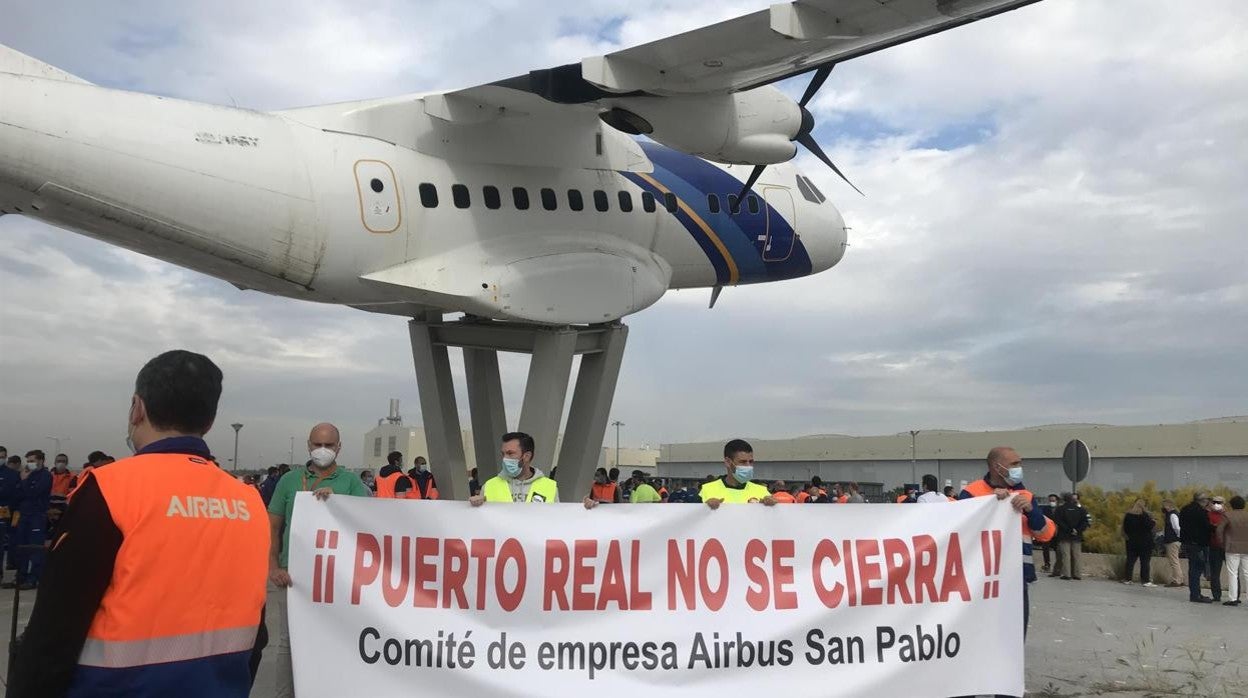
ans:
(32, 499)
(165, 545)
(1211, 536)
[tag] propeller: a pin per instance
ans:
(804, 136)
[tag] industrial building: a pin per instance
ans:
(1206, 452)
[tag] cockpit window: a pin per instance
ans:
(815, 190)
(805, 190)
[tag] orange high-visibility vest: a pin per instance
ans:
(387, 486)
(981, 488)
(431, 494)
(414, 493)
(802, 497)
(843, 499)
(188, 582)
(62, 483)
(783, 497)
(604, 492)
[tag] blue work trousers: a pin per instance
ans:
(31, 531)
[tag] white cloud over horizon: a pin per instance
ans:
(1076, 257)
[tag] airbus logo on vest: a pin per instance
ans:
(207, 508)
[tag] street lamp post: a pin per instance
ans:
(291, 462)
(237, 427)
(617, 424)
(914, 473)
(57, 440)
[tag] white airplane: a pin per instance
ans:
(528, 199)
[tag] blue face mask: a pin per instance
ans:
(511, 467)
(743, 474)
(1015, 475)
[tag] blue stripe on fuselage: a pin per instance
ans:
(692, 179)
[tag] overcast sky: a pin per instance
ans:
(1054, 229)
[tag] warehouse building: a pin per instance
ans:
(1207, 452)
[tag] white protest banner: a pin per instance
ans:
(397, 598)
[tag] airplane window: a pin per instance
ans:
(459, 193)
(734, 204)
(815, 190)
(428, 195)
(753, 201)
(600, 200)
(626, 202)
(712, 202)
(490, 194)
(647, 202)
(520, 196)
(805, 190)
(376, 185)
(548, 200)
(669, 201)
(575, 201)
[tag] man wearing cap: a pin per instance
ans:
(1195, 533)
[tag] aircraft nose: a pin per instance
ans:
(830, 241)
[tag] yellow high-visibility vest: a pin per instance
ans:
(716, 489)
(543, 489)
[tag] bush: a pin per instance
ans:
(1109, 508)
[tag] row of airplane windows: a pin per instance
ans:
(492, 198)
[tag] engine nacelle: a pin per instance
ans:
(745, 128)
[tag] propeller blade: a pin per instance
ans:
(754, 175)
(808, 141)
(815, 83)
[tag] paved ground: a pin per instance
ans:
(1096, 637)
(1088, 638)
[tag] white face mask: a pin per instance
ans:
(323, 457)
(1217, 507)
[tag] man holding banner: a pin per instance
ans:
(736, 487)
(448, 600)
(1005, 478)
(322, 477)
(518, 480)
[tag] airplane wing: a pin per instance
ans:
(550, 117)
(757, 49)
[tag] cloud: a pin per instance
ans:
(1052, 231)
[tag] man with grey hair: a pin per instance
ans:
(322, 476)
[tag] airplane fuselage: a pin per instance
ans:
(272, 203)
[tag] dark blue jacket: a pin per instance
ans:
(10, 484)
(35, 493)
